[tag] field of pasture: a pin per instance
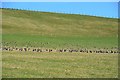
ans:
(59, 65)
(21, 40)
(52, 30)
(22, 28)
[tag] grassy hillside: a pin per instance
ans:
(44, 29)
(52, 30)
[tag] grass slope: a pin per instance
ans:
(53, 30)
(58, 30)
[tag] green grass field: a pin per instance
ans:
(59, 65)
(54, 30)
(58, 30)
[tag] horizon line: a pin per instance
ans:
(61, 13)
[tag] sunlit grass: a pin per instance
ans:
(50, 30)
(59, 65)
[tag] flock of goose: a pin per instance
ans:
(80, 50)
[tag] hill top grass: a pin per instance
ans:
(46, 29)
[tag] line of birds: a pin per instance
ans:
(81, 50)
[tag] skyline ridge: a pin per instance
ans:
(82, 14)
(102, 9)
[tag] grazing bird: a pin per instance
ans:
(21, 49)
(25, 49)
